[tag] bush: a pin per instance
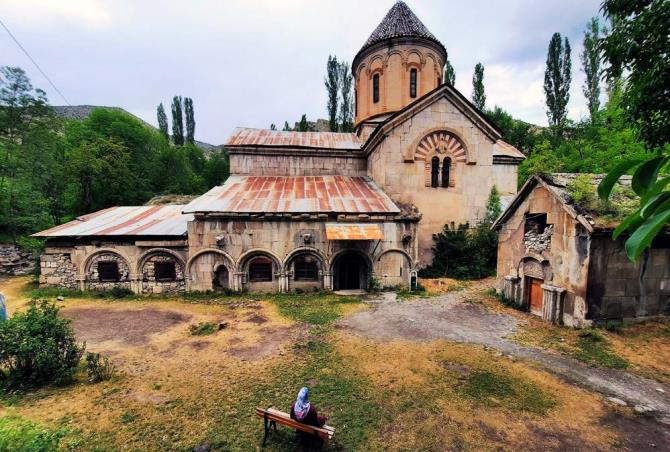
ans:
(99, 368)
(18, 434)
(203, 329)
(463, 253)
(37, 347)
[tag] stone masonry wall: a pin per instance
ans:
(57, 270)
(149, 283)
(287, 165)
(93, 277)
(14, 261)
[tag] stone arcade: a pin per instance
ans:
(313, 209)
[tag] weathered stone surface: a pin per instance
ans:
(14, 261)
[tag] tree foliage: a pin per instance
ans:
(346, 116)
(177, 121)
(190, 120)
(449, 73)
(53, 170)
(162, 121)
(592, 65)
(557, 78)
(478, 95)
(38, 347)
(332, 83)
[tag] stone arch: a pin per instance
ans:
(307, 254)
(395, 52)
(394, 268)
(351, 269)
(146, 269)
(410, 52)
(441, 142)
(534, 265)
(90, 274)
(201, 269)
(243, 267)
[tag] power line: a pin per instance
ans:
(33, 61)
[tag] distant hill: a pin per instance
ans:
(83, 111)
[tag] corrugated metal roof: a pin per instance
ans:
(297, 194)
(126, 220)
(353, 231)
(242, 136)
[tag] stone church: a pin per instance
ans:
(306, 210)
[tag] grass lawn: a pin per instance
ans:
(182, 383)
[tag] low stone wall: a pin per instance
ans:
(14, 261)
(57, 270)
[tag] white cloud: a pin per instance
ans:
(87, 13)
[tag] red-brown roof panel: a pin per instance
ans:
(243, 136)
(296, 194)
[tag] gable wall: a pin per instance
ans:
(405, 182)
(266, 164)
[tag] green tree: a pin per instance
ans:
(478, 95)
(346, 116)
(519, 134)
(190, 120)
(557, 78)
(273, 126)
(162, 121)
(449, 73)
(177, 121)
(332, 83)
(638, 46)
(493, 206)
(592, 65)
(286, 128)
(304, 125)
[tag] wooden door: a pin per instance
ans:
(535, 294)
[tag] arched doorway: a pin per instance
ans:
(221, 278)
(350, 271)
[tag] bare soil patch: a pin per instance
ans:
(270, 341)
(638, 433)
(132, 327)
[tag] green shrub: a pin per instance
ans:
(203, 329)
(374, 285)
(17, 434)
(38, 347)
(98, 367)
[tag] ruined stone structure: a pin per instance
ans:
(558, 259)
(312, 210)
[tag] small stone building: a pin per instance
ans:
(305, 210)
(557, 257)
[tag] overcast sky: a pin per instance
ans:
(256, 62)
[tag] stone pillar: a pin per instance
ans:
(239, 278)
(552, 303)
(328, 280)
(511, 289)
(135, 283)
(283, 282)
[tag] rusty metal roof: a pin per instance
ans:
(126, 220)
(296, 194)
(353, 231)
(245, 137)
(505, 149)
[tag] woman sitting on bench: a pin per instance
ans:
(305, 412)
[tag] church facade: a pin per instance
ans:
(308, 210)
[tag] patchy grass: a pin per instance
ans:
(18, 434)
(317, 309)
(438, 286)
(594, 349)
(495, 389)
(203, 329)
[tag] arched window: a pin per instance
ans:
(375, 88)
(434, 172)
(412, 83)
(446, 167)
(305, 269)
(260, 270)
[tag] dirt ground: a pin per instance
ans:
(390, 375)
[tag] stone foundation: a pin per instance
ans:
(57, 270)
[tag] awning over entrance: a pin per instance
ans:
(353, 231)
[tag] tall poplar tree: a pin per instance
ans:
(557, 79)
(332, 83)
(162, 121)
(177, 121)
(286, 128)
(346, 101)
(449, 73)
(478, 95)
(190, 120)
(592, 65)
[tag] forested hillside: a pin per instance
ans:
(54, 169)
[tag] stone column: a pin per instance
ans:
(511, 289)
(552, 303)
(328, 280)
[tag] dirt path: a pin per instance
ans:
(451, 317)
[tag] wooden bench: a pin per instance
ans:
(271, 417)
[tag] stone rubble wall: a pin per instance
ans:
(57, 270)
(537, 243)
(149, 283)
(14, 261)
(92, 277)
